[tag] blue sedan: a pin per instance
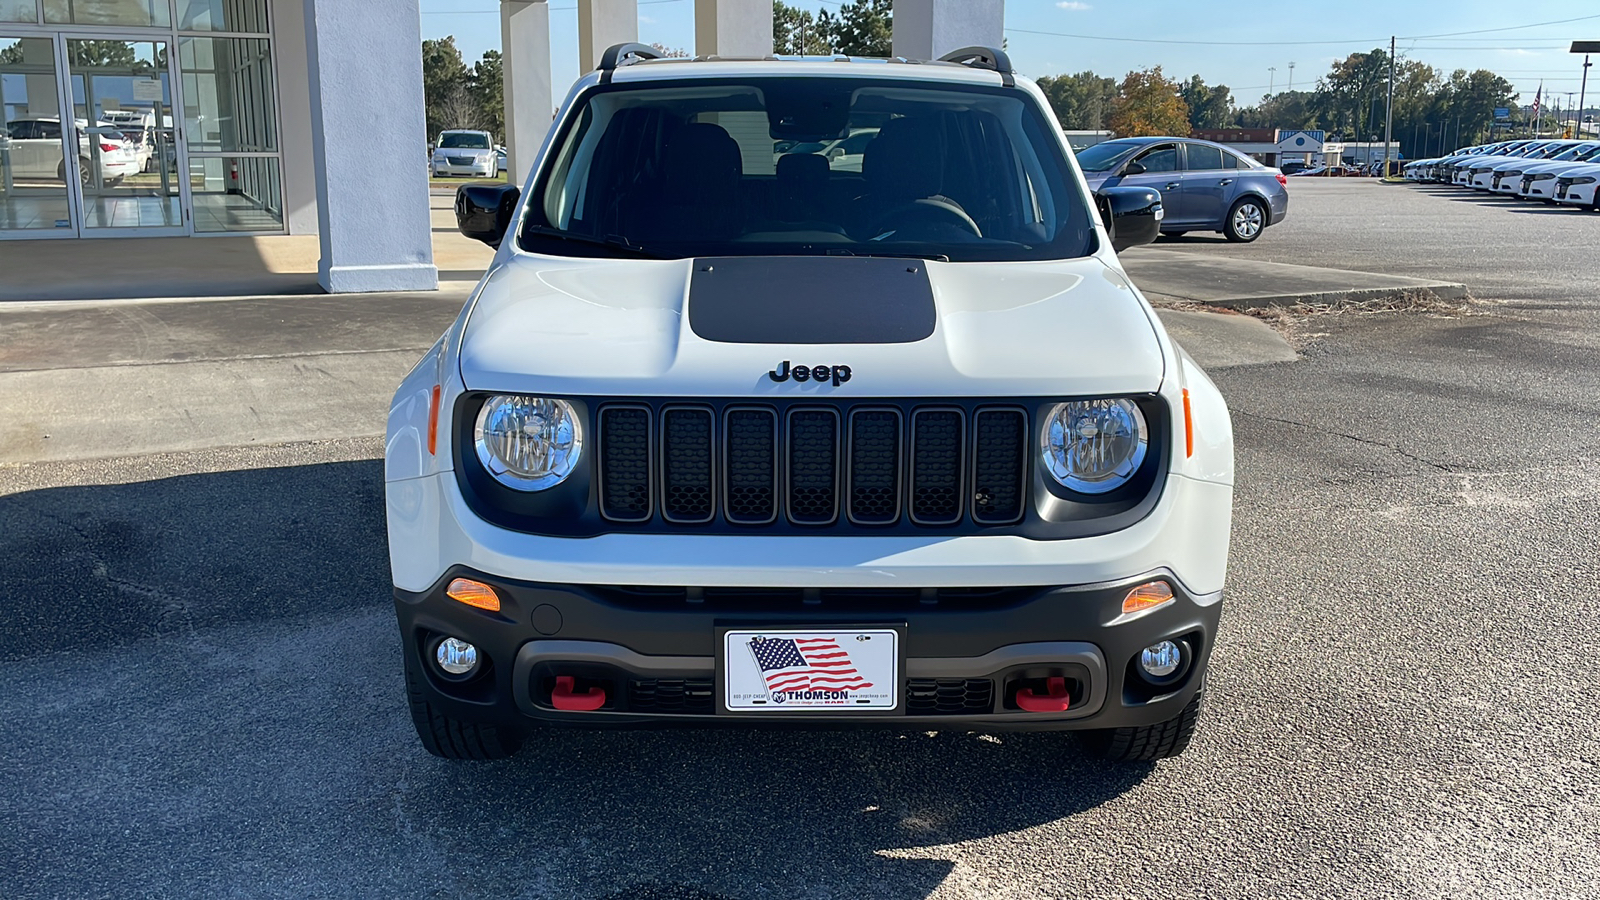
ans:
(1204, 186)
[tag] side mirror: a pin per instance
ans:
(1132, 214)
(836, 153)
(1133, 168)
(484, 211)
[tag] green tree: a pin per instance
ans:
(1209, 107)
(486, 85)
(448, 101)
(1081, 101)
(795, 32)
(1148, 103)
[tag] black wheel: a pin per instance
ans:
(1245, 221)
(1162, 740)
(451, 738)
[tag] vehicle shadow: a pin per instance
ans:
(236, 629)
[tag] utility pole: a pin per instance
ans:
(1272, 79)
(1586, 48)
(1388, 116)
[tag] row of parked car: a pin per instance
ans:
(1553, 171)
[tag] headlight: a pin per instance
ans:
(528, 443)
(1541, 176)
(1581, 179)
(1094, 446)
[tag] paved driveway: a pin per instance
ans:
(200, 691)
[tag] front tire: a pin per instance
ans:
(1245, 222)
(1143, 743)
(452, 738)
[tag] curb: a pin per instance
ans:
(1439, 291)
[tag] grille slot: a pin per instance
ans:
(670, 695)
(936, 444)
(949, 696)
(752, 461)
(813, 458)
(999, 465)
(625, 463)
(874, 466)
(687, 490)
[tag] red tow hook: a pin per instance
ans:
(1056, 700)
(564, 697)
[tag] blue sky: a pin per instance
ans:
(1113, 37)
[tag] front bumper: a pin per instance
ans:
(653, 652)
(479, 169)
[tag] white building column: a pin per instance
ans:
(602, 23)
(525, 67)
(366, 82)
(928, 29)
(733, 28)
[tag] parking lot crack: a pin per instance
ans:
(1352, 437)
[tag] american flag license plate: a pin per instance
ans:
(785, 670)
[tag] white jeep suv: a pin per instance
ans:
(729, 435)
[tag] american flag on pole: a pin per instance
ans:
(806, 664)
(1536, 95)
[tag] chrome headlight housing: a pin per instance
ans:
(528, 443)
(1094, 446)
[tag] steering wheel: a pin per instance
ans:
(930, 210)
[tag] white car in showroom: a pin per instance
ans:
(725, 439)
(33, 151)
(464, 152)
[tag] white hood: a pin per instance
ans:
(601, 327)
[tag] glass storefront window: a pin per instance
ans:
(228, 104)
(108, 12)
(236, 193)
(19, 10)
(33, 160)
(247, 16)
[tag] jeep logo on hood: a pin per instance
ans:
(820, 374)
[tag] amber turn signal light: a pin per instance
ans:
(1149, 595)
(473, 593)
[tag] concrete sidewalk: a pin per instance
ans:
(1174, 276)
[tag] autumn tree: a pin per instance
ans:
(1148, 103)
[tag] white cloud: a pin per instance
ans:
(1073, 5)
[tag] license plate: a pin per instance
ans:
(784, 670)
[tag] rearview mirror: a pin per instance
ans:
(1132, 215)
(1133, 168)
(484, 211)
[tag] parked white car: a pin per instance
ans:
(33, 147)
(463, 152)
(1578, 187)
(1538, 181)
(902, 448)
(1506, 177)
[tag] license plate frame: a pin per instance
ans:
(743, 690)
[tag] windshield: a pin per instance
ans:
(464, 142)
(1106, 155)
(767, 166)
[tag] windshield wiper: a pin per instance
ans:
(616, 242)
(841, 251)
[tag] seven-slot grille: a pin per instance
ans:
(813, 465)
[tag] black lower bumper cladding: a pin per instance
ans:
(1039, 658)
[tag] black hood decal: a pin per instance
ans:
(811, 300)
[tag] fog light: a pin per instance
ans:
(1161, 660)
(457, 657)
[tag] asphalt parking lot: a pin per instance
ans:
(201, 694)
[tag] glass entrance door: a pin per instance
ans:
(128, 160)
(34, 199)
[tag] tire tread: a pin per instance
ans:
(1162, 740)
(452, 738)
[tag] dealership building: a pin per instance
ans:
(219, 118)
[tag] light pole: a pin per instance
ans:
(1290, 89)
(1272, 79)
(1586, 48)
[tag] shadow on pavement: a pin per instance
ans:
(207, 665)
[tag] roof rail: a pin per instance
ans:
(621, 55)
(990, 58)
